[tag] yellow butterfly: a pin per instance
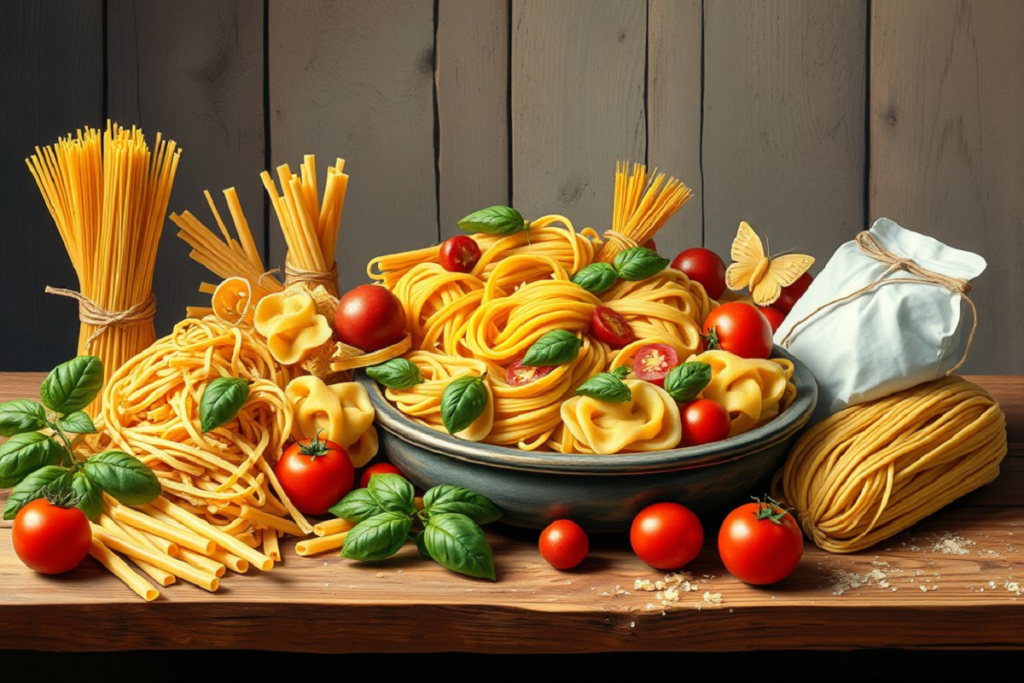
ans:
(763, 275)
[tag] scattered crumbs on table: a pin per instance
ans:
(952, 544)
(1013, 586)
(991, 584)
(712, 598)
(379, 575)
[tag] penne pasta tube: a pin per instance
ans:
(279, 523)
(202, 562)
(177, 567)
(270, 546)
(159, 575)
(232, 562)
(184, 539)
(320, 544)
(121, 570)
(332, 526)
(203, 528)
(249, 538)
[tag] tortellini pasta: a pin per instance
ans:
(649, 421)
(290, 323)
(341, 413)
(753, 391)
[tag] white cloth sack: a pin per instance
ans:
(889, 338)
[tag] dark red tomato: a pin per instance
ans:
(369, 318)
(564, 544)
(459, 254)
(704, 266)
(518, 375)
(704, 421)
(51, 539)
(610, 327)
(649, 244)
(652, 363)
(666, 536)
(760, 543)
(739, 328)
(791, 294)
(379, 468)
(315, 475)
(775, 316)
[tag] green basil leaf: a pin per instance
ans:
(377, 537)
(393, 493)
(684, 382)
(90, 496)
(554, 348)
(606, 386)
(457, 543)
(77, 422)
(494, 220)
(421, 544)
(32, 487)
(72, 385)
(639, 263)
(397, 373)
(622, 372)
(20, 416)
(462, 402)
(23, 454)
(221, 401)
(123, 476)
(596, 278)
(448, 498)
(357, 506)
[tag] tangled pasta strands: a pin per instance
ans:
(870, 471)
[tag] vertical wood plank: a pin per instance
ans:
(472, 107)
(192, 70)
(674, 54)
(947, 147)
(784, 130)
(51, 74)
(355, 80)
(577, 104)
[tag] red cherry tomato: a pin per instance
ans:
(739, 328)
(704, 266)
(517, 374)
(379, 468)
(564, 544)
(704, 421)
(51, 539)
(666, 536)
(789, 296)
(369, 318)
(459, 254)
(610, 327)
(649, 244)
(775, 316)
(315, 474)
(760, 543)
(652, 363)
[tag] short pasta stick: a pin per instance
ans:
(203, 528)
(232, 562)
(202, 562)
(159, 575)
(177, 567)
(184, 539)
(270, 545)
(279, 523)
(121, 570)
(320, 544)
(332, 526)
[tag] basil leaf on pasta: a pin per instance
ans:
(221, 401)
(462, 402)
(495, 220)
(639, 263)
(685, 381)
(606, 386)
(596, 278)
(124, 477)
(397, 373)
(554, 348)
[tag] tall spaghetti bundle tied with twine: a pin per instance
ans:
(108, 194)
(870, 471)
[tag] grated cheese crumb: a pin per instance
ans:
(950, 544)
(713, 598)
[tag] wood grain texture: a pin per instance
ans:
(947, 146)
(51, 74)
(192, 70)
(472, 108)
(577, 104)
(355, 80)
(784, 134)
(674, 54)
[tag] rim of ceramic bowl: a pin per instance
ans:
(770, 434)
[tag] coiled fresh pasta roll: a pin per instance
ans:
(649, 421)
(753, 391)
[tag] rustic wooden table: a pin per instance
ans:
(953, 581)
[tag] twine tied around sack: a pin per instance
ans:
(91, 313)
(293, 274)
(870, 245)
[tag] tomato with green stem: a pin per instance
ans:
(315, 474)
(760, 543)
(739, 328)
(50, 535)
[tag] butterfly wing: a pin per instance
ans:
(782, 272)
(746, 253)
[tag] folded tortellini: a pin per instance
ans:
(341, 413)
(753, 391)
(292, 326)
(649, 421)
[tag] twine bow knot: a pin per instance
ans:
(91, 313)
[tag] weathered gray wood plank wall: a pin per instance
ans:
(807, 119)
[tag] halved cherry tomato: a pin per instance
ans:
(652, 363)
(459, 254)
(518, 374)
(610, 327)
(704, 421)
(775, 316)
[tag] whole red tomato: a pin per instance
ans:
(760, 543)
(564, 544)
(459, 254)
(704, 266)
(739, 328)
(49, 538)
(369, 318)
(789, 296)
(379, 468)
(704, 421)
(775, 316)
(315, 474)
(666, 535)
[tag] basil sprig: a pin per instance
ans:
(554, 348)
(607, 386)
(77, 423)
(397, 373)
(638, 263)
(495, 220)
(73, 385)
(221, 401)
(448, 525)
(684, 382)
(123, 476)
(596, 278)
(462, 402)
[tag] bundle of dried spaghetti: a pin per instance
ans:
(642, 206)
(310, 226)
(108, 193)
(876, 468)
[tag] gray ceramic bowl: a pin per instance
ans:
(602, 493)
